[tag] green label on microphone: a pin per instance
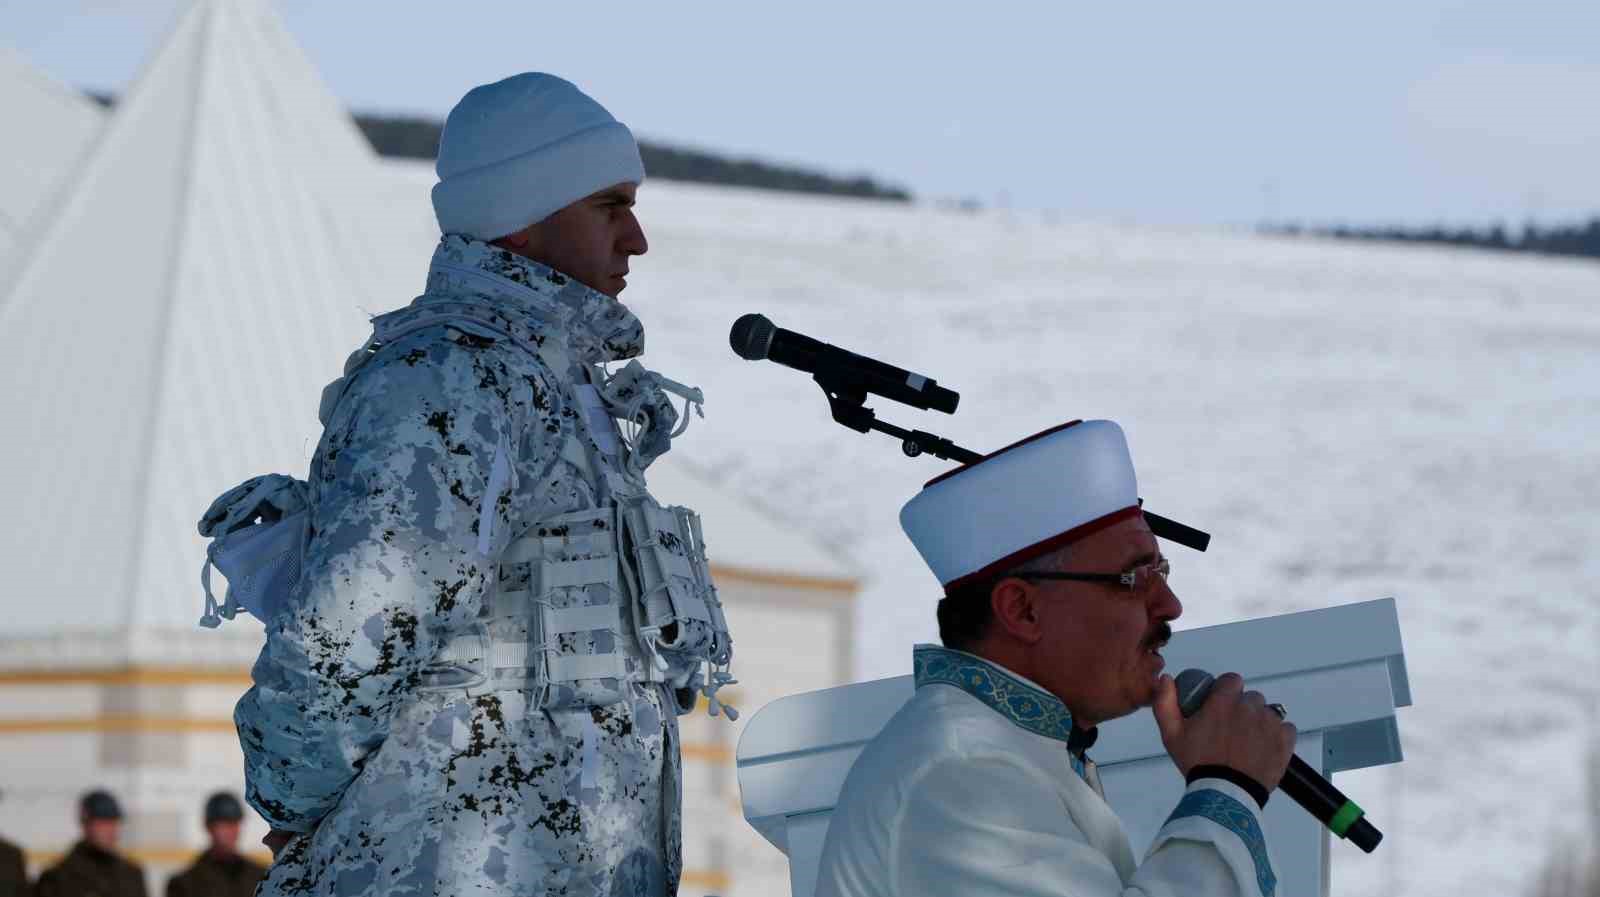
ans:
(1346, 817)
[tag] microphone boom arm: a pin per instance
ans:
(847, 400)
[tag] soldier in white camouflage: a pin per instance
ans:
(473, 686)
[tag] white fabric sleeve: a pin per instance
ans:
(993, 826)
(1214, 837)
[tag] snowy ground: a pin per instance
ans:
(1350, 421)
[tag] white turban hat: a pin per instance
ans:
(1023, 501)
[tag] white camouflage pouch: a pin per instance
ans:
(683, 623)
(258, 531)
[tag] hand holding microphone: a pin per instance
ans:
(1207, 721)
(1233, 728)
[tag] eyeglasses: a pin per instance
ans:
(1138, 579)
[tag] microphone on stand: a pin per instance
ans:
(754, 338)
(1302, 783)
(846, 378)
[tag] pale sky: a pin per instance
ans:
(1363, 112)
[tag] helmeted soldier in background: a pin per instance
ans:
(13, 870)
(93, 867)
(474, 685)
(221, 871)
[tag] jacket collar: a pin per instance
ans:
(532, 297)
(1019, 700)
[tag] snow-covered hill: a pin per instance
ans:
(1349, 421)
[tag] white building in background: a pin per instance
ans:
(255, 233)
(50, 127)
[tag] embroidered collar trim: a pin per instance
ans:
(1025, 704)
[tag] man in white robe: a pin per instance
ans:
(1056, 601)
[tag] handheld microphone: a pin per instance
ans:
(1302, 783)
(754, 337)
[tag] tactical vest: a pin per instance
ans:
(581, 603)
(587, 601)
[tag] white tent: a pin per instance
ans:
(52, 126)
(187, 351)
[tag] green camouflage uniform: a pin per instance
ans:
(13, 870)
(209, 876)
(88, 871)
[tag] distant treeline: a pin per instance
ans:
(1575, 239)
(418, 138)
(414, 137)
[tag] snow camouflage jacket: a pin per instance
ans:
(395, 782)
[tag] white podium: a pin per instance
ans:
(1340, 670)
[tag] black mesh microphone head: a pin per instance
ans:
(1193, 686)
(751, 336)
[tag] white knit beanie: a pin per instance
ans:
(517, 150)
